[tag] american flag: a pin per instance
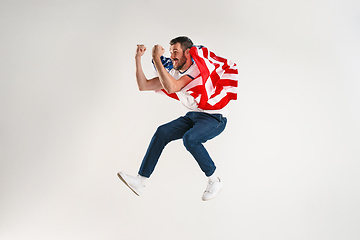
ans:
(217, 83)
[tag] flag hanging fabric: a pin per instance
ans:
(218, 83)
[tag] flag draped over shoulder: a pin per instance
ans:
(217, 82)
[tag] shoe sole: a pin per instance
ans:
(122, 179)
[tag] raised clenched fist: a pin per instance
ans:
(140, 50)
(157, 51)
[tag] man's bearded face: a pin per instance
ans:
(177, 56)
(179, 63)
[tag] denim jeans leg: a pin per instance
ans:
(164, 134)
(205, 127)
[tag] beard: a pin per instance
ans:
(181, 63)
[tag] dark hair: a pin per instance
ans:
(184, 41)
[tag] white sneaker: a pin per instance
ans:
(212, 190)
(134, 183)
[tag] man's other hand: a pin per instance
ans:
(140, 50)
(157, 51)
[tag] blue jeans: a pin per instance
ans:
(195, 128)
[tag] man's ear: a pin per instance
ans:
(187, 52)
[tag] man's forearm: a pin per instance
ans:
(167, 81)
(140, 76)
(145, 84)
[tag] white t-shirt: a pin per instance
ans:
(185, 98)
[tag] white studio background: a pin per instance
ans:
(71, 117)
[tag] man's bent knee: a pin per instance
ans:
(189, 141)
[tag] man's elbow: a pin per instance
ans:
(171, 90)
(141, 88)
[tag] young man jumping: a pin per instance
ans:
(206, 117)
